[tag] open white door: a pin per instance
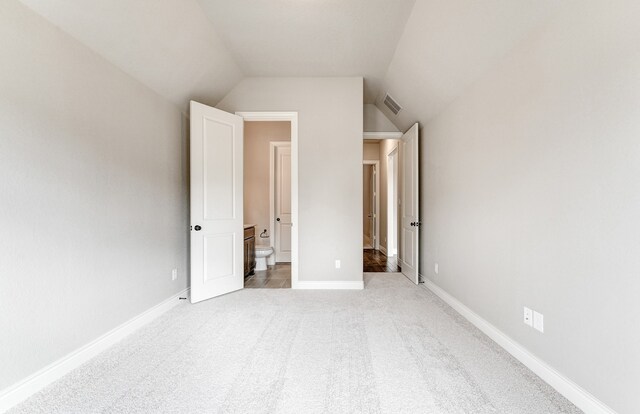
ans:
(217, 261)
(409, 248)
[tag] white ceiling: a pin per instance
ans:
(312, 37)
(425, 54)
(449, 44)
(169, 45)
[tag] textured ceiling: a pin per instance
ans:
(312, 37)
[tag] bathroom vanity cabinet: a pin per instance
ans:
(249, 250)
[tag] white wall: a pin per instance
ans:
(376, 121)
(330, 166)
(93, 200)
(531, 197)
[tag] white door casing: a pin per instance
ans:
(409, 206)
(281, 168)
(217, 261)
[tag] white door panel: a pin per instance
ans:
(283, 203)
(410, 226)
(217, 265)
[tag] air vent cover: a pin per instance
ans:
(392, 104)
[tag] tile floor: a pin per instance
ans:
(275, 277)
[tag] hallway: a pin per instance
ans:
(374, 261)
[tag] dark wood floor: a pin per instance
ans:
(275, 277)
(376, 261)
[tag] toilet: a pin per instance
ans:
(264, 256)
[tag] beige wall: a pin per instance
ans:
(94, 195)
(531, 197)
(371, 151)
(257, 139)
(366, 201)
(330, 166)
(386, 147)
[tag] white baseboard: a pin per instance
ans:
(19, 392)
(569, 389)
(329, 285)
(402, 264)
(383, 250)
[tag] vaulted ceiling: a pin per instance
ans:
(447, 45)
(312, 37)
(169, 45)
(424, 53)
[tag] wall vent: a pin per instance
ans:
(392, 104)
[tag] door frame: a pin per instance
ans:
(380, 136)
(376, 233)
(292, 117)
(273, 146)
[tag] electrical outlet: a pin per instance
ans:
(528, 316)
(538, 321)
(174, 274)
(436, 268)
(337, 264)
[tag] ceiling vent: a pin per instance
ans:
(392, 105)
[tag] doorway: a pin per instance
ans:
(370, 205)
(268, 203)
(218, 199)
(378, 233)
(400, 206)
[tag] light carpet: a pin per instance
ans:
(391, 348)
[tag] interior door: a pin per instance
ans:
(372, 206)
(283, 203)
(410, 228)
(216, 202)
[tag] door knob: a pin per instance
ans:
(198, 228)
(278, 219)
